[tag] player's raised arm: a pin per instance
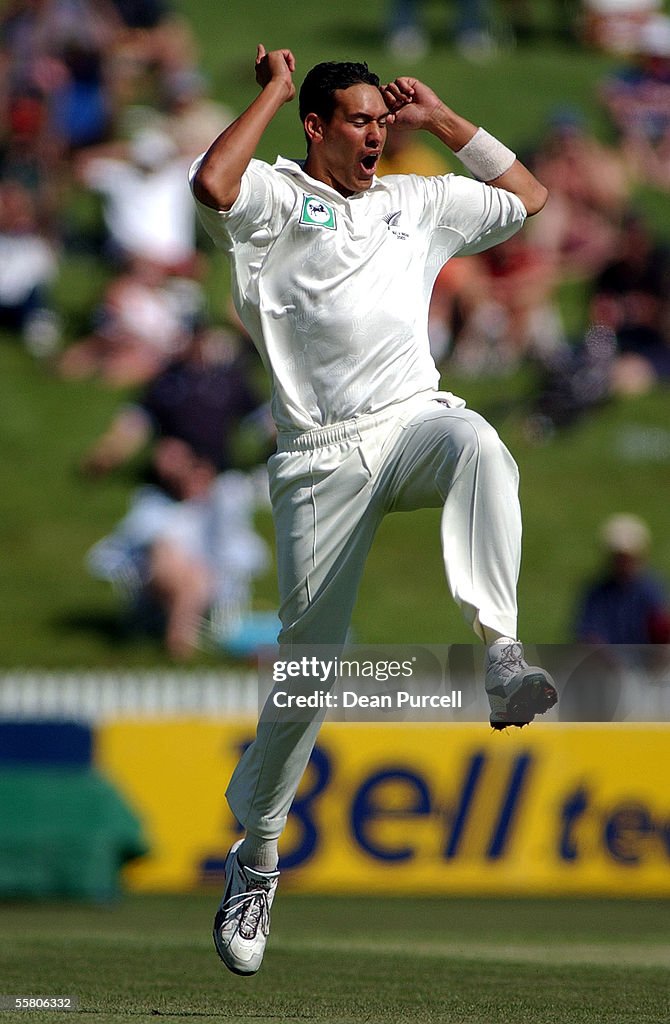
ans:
(217, 180)
(414, 105)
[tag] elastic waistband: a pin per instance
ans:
(321, 437)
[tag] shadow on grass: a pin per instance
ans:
(112, 634)
(115, 639)
(98, 623)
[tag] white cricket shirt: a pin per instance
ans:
(334, 291)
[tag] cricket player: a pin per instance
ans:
(332, 272)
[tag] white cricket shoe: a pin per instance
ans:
(516, 691)
(242, 922)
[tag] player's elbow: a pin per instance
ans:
(535, 198)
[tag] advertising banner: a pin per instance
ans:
(413, 807)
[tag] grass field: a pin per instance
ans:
(348, 961)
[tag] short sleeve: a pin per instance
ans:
(479, 214)
(255, 209)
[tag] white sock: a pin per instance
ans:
(258, 853)
(491, 637)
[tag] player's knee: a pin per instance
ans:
(488, 438)
(496, 461)
(475, 438)
(472, 435)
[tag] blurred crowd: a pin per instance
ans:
(105, 101)
(103, 97)
(494, 311)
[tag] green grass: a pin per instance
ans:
(347, 961)
(53, 615)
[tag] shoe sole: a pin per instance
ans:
(536, 695)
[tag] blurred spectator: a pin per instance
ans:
(479, 26)
(185, 550)
(406, 37)
(193, 119)
(573, 381)
(28, 154)
(143, 15)
(81, 112)
(589, 186)
(158, 36)
(614, 25)
(459, 288)
(631, 299)
(142, 324)
(512, 312)
(627, 603)
(637, 99)
(626, 347)
(201, 398)
(28, 264)
(61, 48)
(154, 43)
(147, 205)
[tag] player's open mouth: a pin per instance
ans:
(369, 162)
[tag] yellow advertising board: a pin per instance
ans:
(412, 808)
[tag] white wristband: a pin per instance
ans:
(485, 157)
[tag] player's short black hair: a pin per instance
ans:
(318, 89)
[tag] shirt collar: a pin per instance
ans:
(295, 169)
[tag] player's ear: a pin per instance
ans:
(313, 127)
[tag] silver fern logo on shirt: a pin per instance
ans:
(392, 223)
(317, 213)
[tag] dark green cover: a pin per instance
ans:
(64, 832)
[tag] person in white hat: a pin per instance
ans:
(626, 604)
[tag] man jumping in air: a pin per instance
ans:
(332, 275)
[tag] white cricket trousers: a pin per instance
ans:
(330, 489)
